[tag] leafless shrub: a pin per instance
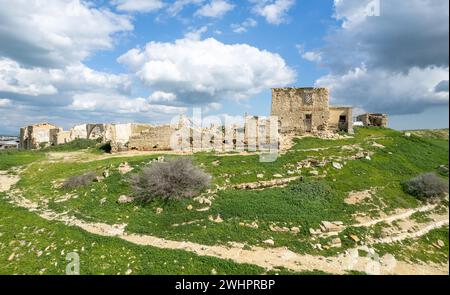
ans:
(175, 179)
(79, 180)
(426, 186)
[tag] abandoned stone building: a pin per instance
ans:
(295, 111)
(307, 110)
(38, 135)
(368, 119)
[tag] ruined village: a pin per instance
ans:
(205, 140)
(298, 111)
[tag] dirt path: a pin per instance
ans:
(268, 258)
(7, 181)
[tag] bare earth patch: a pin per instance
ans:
(357, 197)
(7, 181)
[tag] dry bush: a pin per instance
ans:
(172, 180)
(79, 180)
(426, 186)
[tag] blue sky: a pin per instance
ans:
(73, 61)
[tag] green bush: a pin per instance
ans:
(426, 186)
(74, 145)
(79, 180)
(175, 179)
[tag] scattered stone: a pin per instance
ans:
(337, 165)
(99, 179)
(11, 257)
(278, 229)
(128, 272)
(269, 242)
(159, 210)
(327, 226)
(377, 145)
(440, 243)
(314, 172)
(189, 207)
(123, 199)
(215, 163)
(103, 201)
(295, 230)
(278, 175)
(124, 168)
(259, 175)
(368, 158)
(213, 271)
(408, 134)
(106, 173)
(218, 219)
(355, 238)
(336, 243)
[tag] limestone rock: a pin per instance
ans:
(269, 242)
(159, 210)
(189, 207)
(124, 168)
(260, 175)
(337, 165)
(123, 199)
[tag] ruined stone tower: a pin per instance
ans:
(307, 110)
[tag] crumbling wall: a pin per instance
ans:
(341, 119)
(369, 119)
(151, 138)
(38, 135)
(301, 110)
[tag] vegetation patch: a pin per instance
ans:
(175, 179)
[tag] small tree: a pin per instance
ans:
(175, 179)
(426, 186)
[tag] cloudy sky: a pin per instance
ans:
(73, 61)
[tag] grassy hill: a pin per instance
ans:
(318, 177)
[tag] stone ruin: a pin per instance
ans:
(295, 111)
(368, 119)
(307, 110)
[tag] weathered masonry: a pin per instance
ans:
(373, 119)
(297, 111)
(307, 110)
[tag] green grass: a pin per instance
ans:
(423, 249)
(75, 145)
(28, 236)
(302, 204)
(12, 158)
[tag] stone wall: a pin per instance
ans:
(38, 135)
(155, 138)
(301, 110)
(341, 119)
(368, 119)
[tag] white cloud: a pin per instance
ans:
(41, 81)
(55, 33)
(389, 61)
(215, 8)
(5, 102)
(205, 71)
(312, 56)
(114, 103)
(383, 91)
(161, 96)
(196, 34)
(138, 5)
(176, 7)
(274, 11)
(244, 26)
